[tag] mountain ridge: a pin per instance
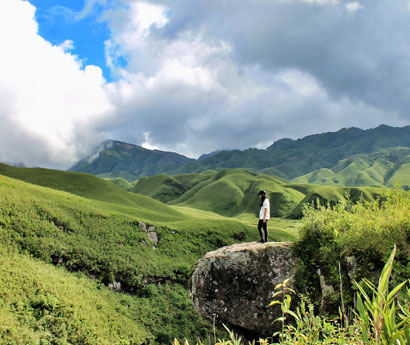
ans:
(286, 158)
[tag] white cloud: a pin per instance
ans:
(67, 45)
(45, 93)
(208, 78)
(89, 6)
(202, 76)
(353, 6)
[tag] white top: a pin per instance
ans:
(266, 204)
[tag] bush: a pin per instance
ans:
(364, 232)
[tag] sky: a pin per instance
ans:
(194, 76)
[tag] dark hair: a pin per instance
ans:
(262, 200)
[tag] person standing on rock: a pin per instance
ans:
(264, 215)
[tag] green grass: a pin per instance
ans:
(43, 304)
(103, 241)
(384, 168)
(89, 228)
(122, 183)
(81, 184)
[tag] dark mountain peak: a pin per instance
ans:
(114, 158)
(281, 143)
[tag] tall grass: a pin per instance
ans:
(359, 236)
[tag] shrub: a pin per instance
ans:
(365, 231)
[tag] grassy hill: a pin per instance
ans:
(232, 192)
(95, 242)
(385, 168)
(81, 184)
(121, 182)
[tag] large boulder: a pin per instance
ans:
(233, 285)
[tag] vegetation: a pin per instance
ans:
(102, 241)
(122, 183)
(385, 168)
(42, 304)
(68, 238)
(233, 192)
(356, 236)
(382, 319)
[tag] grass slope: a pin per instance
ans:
(385, 168)
(85, 185)
(233, 192)
(102, 241)
(42, 304)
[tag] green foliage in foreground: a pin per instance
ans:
(41, 304)
(382, 319)
(356, 236)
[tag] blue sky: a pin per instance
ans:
(195, 76)
(58, 21)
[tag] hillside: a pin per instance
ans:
(385, 168)
(286, 158)
(232, 192)
(117, 159)
(96, 243)
(85, 259)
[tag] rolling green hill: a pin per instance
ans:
(81, 184)
(386, 168)
(117, 159)
(95, 243)
(232, 192)
(122, 183)
(77, 266)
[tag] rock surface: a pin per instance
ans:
(233, 285)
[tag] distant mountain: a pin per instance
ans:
(286, 158)
(289, 158)
(118, 159)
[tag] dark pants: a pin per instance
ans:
(264, 226)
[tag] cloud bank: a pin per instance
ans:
(203, 75)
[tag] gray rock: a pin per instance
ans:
(116, 286)
(152, 236)
(142, 226)
(233, 285)
(151, 232)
